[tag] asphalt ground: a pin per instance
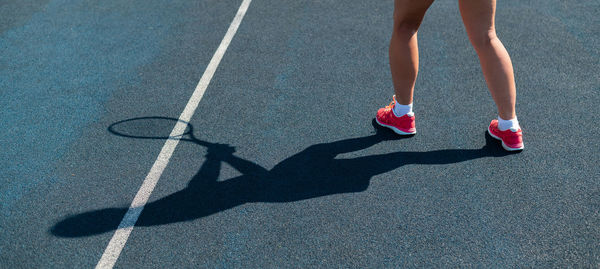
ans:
(300, 176)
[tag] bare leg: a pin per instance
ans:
(478, 17)
(404, 51)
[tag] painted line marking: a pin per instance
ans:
(117, 242)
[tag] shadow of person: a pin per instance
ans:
(313, 172)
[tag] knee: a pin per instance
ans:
(405, 28)
(483, 40)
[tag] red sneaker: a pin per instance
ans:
(404, 125)
(511, 141)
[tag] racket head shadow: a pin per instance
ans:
(153, 127)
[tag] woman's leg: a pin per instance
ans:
(404, 52)
(478, 17)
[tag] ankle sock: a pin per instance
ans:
(512, 124)
(400, 110)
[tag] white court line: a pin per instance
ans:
(117, 242)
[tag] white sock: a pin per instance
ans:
(401, 110)
(512, 124)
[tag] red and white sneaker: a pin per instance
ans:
(511, 140)
(404, 125)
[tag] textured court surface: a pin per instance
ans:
(313, 183)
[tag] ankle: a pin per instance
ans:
(401, 110)
(512, 124)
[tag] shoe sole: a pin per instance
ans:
(504, 145)
(396, 130)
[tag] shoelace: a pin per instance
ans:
(391, 103)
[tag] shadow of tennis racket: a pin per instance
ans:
(156, 127)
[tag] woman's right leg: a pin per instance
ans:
(404, 51)
(478, 18)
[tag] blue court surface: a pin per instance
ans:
(202, 134)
